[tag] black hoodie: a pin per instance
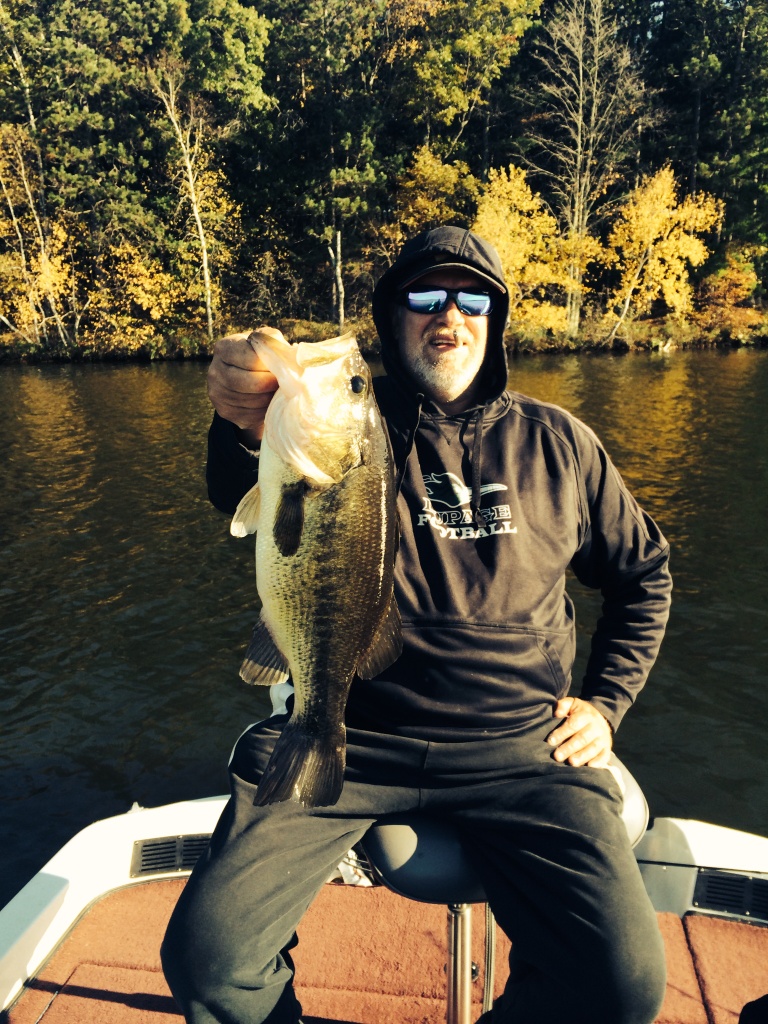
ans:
(495, 504)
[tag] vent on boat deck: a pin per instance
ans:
(170, 853)
(731, 893)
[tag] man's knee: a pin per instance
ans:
(631, 991)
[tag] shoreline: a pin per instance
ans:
(648, 337)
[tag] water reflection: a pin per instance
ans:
(125, 605)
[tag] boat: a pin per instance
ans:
(80, 942)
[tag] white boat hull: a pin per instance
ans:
(674, 855)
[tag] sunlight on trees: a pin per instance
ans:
(36, 274)
(588, 111)
(430, 192)
(452, 52)
(724, 297)
(172, 169)
(656, 239)
(526, 235)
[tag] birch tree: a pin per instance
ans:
(188, 127)
(589, 106)
(210, 79)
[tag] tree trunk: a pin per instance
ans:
(338, 281)
(184, 136)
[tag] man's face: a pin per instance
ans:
(444, 351)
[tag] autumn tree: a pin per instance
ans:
(514, 219)
(725, 298)
(588, 106)
(430, 191)
(657, 238)
(37, 276)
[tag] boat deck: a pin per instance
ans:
(365, 956)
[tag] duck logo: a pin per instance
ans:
(447, 509)
(446, 489)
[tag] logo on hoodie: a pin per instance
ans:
(447, 509)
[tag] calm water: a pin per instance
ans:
(124, 603)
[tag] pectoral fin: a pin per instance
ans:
(264, 664)
(246, 517)
(289, 518)
(387, 646)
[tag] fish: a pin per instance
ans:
(324, 515)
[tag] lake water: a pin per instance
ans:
(125, 605)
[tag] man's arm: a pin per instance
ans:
(625, 556)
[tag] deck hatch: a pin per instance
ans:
(731, 893)
(167, 853)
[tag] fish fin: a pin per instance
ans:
(387, 645)
(304, 768)
(246, 517)
(264, 664)
(289, 518)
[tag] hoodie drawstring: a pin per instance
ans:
(477, 465)
(409, 442)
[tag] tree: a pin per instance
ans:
(324, 69)
(589, 106)
(656, 239)
(36, 274)
(449, 53)
(516, 221)
(724, 299)
(188, 123)
(209, 77)
(429, 192)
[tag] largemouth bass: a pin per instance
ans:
(326, 532)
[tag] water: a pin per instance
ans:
(125, 605)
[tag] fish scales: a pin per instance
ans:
(326, 585)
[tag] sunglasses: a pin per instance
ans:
(434, 300)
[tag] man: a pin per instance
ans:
(498, 496)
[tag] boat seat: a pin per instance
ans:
(422, 859)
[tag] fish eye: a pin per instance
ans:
(358, 385)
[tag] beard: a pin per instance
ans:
(446, 378)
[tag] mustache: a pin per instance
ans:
(441, 335)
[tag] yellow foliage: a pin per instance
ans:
(38, 294)
(407, 20)
(429, 193)
(516, 222)
(141, 297)
(656, 240)
(721, 298)
(432, 192)
(221, 216)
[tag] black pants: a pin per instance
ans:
(546, 839)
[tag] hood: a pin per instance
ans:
(445, 247)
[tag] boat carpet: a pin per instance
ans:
(365, 956)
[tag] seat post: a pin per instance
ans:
(459, 1007)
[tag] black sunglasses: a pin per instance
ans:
(434, 300)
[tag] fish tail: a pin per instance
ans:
(305, 768)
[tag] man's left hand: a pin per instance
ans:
(584, 738)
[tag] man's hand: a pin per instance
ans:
(239, 384)
(584, 738)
